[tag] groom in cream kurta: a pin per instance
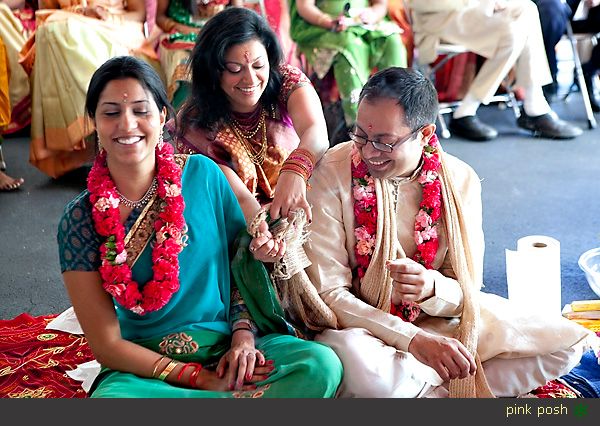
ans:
(384, 356)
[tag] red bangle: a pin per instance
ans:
(187, 364)
(194, 374)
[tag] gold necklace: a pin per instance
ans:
(250, 134)
(257, 157)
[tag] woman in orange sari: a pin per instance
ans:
(70, 45)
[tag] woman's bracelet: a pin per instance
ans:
(244, 327)
(194, 375)
(156, 364)
(170, 366)
(196, 366)
(301, 162)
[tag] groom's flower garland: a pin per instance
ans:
(169, 228)
(426, 220)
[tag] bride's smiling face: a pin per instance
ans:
(128, 121)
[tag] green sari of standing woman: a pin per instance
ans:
(353, 52)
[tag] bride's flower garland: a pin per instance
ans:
(426, 220)
(169, 228)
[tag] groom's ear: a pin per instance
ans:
(427, 132)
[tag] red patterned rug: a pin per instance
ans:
(34, 361)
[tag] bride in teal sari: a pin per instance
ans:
(155, 259)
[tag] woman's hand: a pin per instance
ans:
(411, 281)
(264, 247)
(241, 361)
(290, 195)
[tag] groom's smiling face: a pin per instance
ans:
(382, 121)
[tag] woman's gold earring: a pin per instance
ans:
(160, 138)
(100, 149)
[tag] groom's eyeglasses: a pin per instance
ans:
(378, 144)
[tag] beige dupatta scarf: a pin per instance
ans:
(376, 285)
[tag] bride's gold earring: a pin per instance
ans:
(160, 138)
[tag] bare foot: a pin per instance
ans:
(8, 183)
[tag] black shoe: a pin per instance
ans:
(470, 127)
(548, 126)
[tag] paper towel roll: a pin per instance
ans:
(533, 274)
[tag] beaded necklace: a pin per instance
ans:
(245, 136)
(142, 201)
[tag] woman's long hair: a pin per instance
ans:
(208, 106)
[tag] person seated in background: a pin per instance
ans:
(353, 37)
(17, 22)
(260, 119)
(554, 15)
(181, 20)
(70, 44)
(146, 257)
(397, 248)
(508, 34)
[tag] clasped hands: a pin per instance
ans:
(290, 196)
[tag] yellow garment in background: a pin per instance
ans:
(4, 99)
(12, 37)
(69, 48)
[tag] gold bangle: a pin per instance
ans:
(170, 366)
(156, 364)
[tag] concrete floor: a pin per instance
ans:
(530, 186)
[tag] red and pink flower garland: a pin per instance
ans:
(426, 220)
(169, 228)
